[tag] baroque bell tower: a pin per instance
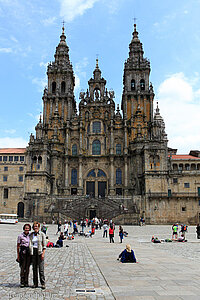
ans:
(138, 95)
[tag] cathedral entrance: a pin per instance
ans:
(90, 188)
(101, 189)
(92, 213)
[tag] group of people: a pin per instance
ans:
(183, 231)
(31, 249)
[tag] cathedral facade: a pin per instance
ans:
(102, 161)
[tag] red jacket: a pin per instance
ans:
(111, 231)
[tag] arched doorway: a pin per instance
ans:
(96, 183)
(20, 209)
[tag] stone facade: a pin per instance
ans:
(99, 161)
(12, 174)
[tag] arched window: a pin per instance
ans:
(142, 84)
(39, 160)
(101, 173)
(91, 173)
(96, 128)
(88, 128)
(53, 87)
(96, 147)
(133, 85)
(62, 87)
(74, 177)
(118, 176)
(74, 149)
(118, 149)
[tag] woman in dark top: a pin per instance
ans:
(127, 256)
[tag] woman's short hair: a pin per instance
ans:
(27, 225)
(36, 223)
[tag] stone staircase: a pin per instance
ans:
(109, 207)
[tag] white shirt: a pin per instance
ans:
(66, 226)
(35, 241)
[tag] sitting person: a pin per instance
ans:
(127, 256)
(155, 240)
(182, 238)
(59, 243)
(70, 236)
(49, 244)
(62, 236)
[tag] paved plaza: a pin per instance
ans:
(88, 268)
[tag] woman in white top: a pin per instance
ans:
(37, 248)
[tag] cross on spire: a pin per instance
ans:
(63, 28)
(97, 61)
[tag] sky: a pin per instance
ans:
(170, 33)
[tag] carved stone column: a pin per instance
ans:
(80, 177)
(112, 190)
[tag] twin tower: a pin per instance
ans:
(100, 161)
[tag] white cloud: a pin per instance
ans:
(70, 9)
(8, 142)
(180, 109)
(40, 82)
(6, 50)
(49, 21)
(77, 82)
(11, 131)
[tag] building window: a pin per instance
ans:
(20, 178)
(37, 190)
(5, 178)
(87, 143)
(5, 158)
(118, 176)
(187, 167)
(21, 169)
(0, 158)
(38, 166)
(62, 87)
(21, 158)
(96, 147)
(101, 173)
(40, 160)
(175, 180)
(74, 177)
(119, 191)
(5, 193)
(5, 168)
(10, 158)
(53, 87)
(96, 127)
(184, 208)
(91, 174)
(142, 84)
(118, 149)
(74, 149)
(169, 192)
(105, 143)
(16, 158)
(132, 85)
(186, 185)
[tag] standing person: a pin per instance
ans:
(183, 230)
(105, 230)
(66, 227)
(198, 231)
(23, 255)
(44, 228)
(59, 227)
(111, 234)
(37, 248)
(92, 229)
(174, 231)
(121, 233)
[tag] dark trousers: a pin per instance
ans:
(24, 265)
(105, 233)
(111, 238)
(38, 263)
